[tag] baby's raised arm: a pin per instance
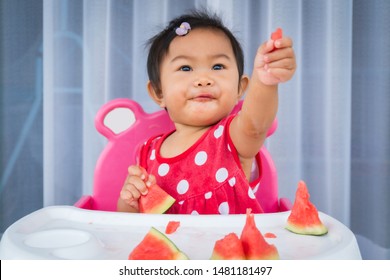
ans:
(274, 63)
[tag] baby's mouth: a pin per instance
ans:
(203, 97)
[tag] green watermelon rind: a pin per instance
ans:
(317, 230)
(179, 254)
(216, 256)
(163, 207)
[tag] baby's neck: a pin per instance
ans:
(181, 140)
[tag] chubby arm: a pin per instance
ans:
(249, 128)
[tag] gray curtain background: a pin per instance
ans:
(62, 59)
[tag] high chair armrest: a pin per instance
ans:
(284, 204)
(85, 202)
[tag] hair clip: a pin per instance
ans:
(183, 29)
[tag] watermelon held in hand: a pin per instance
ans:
(228, 248)
(278, 34)
(156, 201)
(304, 218)
(156, 246)
(253, 242)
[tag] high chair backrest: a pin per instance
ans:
(123, 145)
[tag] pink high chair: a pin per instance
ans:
(121, 152)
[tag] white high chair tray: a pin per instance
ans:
(67, 232)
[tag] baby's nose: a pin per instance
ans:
(203, 81)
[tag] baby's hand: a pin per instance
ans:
(275, 61)
(136, 184)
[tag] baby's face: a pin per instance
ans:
(199, 78)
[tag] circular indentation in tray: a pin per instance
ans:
(57, 238)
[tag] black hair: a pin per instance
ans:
(159, 44)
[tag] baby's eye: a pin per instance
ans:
(185, 68)
(218, 67)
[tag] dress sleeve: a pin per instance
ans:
(145, 151)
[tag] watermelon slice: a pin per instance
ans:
(278, 34)
(156, 201)
(172, 227)
(304, 218)
(253, 242)
(156, 246)
(228, 248)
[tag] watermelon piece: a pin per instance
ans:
(228, 248)
(269, 235)
(278, 34)
(156, 246)
(253, 242)
(172, 227)
(156, 201)
(304, 218)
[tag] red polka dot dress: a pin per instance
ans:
(205, 179)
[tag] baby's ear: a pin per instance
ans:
(155, 94)
(243, 85)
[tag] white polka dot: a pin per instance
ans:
(221, 175)
(219, 131)
(182, 187)
(223, 208)
(208, 195)
(232, 181)
(181, 202)
(163, 169)
(201, 158)
(251, 194)
(256, 188)
(153, 155)
(228, 146)
(194, 212)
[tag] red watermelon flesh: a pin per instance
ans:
(228, 248)
(253, 242)
(278, 34)
(172, 227)
(269, 235)
(304, 218)
(156, 201)
(156, 246)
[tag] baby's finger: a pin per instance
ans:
(285, 42)
(279, 54)
(137, 183)
(136, 170)
(125, 194)
(287, 63)
(128, 198)
(265, 47)
(130, 191)
(281, 74)
(151, 180)
(135, 193)
(134, 204)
